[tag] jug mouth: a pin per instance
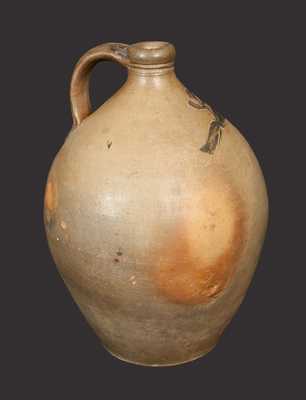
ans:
(151, 54)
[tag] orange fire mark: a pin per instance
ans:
(51, 196)
(200, 259)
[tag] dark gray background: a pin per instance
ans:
(245, 60)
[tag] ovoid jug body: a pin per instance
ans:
(155, 211)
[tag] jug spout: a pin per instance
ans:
(151, 54)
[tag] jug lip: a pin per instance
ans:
(151, 54)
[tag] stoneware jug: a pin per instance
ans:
(155, 211)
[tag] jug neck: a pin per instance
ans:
(157, 78)
(161, 70)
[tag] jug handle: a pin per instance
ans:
(79, 87)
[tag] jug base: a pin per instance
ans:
(121, 358)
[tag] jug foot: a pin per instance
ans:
(171, 364)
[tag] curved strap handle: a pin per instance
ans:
(79, 88)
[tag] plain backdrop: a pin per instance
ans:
(243, 59)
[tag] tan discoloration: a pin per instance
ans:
(51, 196)
(197, 263)
(63, 225)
